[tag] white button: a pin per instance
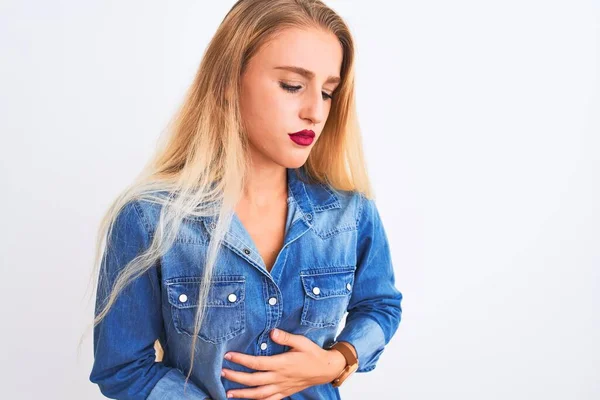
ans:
(348, 286)
(263, 346)
(272, 301)
(183, 298)
(316, 290)
(232, 298)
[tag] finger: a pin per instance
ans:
(250, 378)
(258, 363)
(253, 393)
(298, 342)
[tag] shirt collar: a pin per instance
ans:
(311, 197)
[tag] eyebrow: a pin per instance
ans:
(306, 73)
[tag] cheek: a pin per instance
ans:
(267, 113)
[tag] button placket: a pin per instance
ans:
(272, 303)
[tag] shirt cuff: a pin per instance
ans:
(368, 340)
(170, 387)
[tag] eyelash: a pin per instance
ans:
(294, 89)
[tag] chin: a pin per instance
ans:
(292, 161)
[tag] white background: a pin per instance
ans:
(481, 123)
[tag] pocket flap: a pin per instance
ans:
(328, 282)
(225, 291)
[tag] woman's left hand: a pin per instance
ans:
(304, 365)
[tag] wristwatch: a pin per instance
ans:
(351, 362)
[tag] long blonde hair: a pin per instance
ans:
(203, 158)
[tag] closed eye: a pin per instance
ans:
(294, 89)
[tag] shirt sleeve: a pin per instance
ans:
(374, 311)
(124, 356)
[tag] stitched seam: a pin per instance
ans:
(141, 216)
(362, 200)
(335, 204)
(334, 269)
(335, 231)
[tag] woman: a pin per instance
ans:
(253, 230)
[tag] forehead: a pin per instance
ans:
(315, 50)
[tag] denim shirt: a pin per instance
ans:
(335, 260)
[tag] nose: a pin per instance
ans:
(314, 107)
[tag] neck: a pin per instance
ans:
(265, 185)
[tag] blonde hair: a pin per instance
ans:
(203, 159)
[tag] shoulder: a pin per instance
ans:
(365, 212)
(141, 212)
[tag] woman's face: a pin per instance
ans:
(285, 89)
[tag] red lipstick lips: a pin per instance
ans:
(304, 137)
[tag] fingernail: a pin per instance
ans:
(228, 356)
(229, 395)
(275, 333)
(222, 372)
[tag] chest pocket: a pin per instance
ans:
(224, 316)
(327, 293)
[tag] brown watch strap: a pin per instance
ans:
(351, 362)
(346, 352)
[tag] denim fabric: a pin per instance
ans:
(335, 259)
